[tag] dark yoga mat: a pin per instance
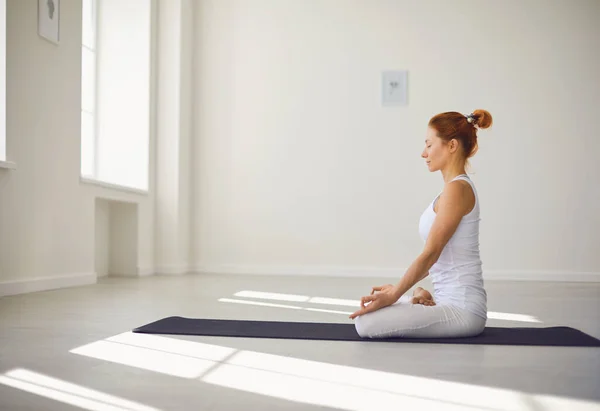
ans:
(549, 336)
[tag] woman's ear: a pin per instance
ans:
(453, 145)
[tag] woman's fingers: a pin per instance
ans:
(358, 313)
(366, 308)
(381, 288)
(367, 299)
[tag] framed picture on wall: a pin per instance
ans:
(48, 20)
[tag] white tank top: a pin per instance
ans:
(457, 274)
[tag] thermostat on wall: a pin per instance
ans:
(394, 86)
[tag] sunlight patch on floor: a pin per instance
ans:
(170, 362)
(493, 315)
(272, 296)
(68, 393)
(291, 307)
(313, 382)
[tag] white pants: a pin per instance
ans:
(404, 319)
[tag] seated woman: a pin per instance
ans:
(450, 228)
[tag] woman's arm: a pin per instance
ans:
(453, 205)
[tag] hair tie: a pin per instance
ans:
(471, 119)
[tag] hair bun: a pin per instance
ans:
(483, 118)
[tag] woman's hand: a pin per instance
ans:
(387, 296)
(382, 288)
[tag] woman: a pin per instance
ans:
(450, 228)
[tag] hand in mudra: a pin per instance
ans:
(386, 296)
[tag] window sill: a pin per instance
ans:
(9, 165)
(111, 186)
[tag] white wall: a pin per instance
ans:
(173, 138)
(47, 216)
(102, 238)
(116, 238)
(2, 80)
(123, 237)
(299, 169)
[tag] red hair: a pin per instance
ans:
(453, 125)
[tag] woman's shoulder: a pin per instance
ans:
(459, 193)
(457, 187)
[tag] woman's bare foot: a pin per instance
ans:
(422, 296)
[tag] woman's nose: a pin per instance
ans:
(423, 154)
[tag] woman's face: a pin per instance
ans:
(436, 152)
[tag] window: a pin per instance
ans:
(115, 92)
(88, 89)
(2, 80)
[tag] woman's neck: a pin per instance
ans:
(450, 172)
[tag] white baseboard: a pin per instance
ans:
(378, 272)
(123, 275)
(44, 284)
(9, 165)
(139, 272)
(145, 271)
(300, 270)
(172, 269)
(74, 280)
(549, 276)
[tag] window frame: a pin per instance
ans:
(4, 163)
(92, 113)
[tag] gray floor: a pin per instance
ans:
(55, 350)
